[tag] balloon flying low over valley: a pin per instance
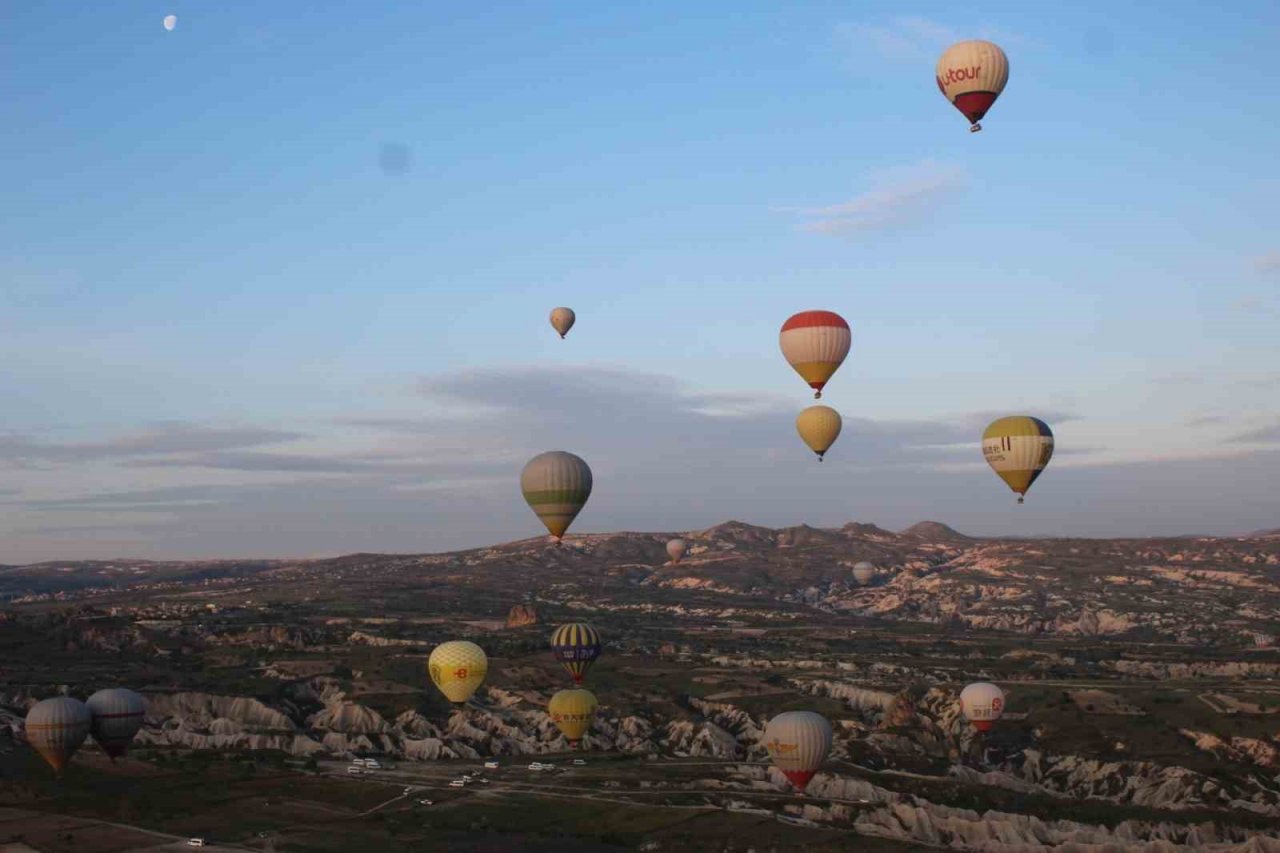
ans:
(300, 285)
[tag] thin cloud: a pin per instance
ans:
(1269, 434)
(1268, 263)
(1207, 420)
(896, 197)
(914, 37)
(160, 439)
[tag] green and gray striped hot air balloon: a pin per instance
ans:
(556, 486)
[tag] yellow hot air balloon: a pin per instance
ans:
(798, 743)
(56, 727)
(1017, 448)
(573, 711)
(815, 344)
(819, 426)
(675, 550)
(562, 320)
(556, 486)
(971, 75)
(457, 668)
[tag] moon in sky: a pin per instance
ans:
(170, 21)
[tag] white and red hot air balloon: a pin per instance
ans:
(982, 703)
(971, 75)
(798, 743)
(815, 344)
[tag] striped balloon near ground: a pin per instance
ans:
(1018, 448)
(56, 728)
(971, 75)
(815, 344)
(117, 717)
(576, 645)
(556, 485)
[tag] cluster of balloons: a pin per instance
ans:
(57, 727)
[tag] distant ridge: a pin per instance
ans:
(1265, 534)
(858, 528)
(936, 531)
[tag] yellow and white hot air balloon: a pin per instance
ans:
(815, 344)
(982, 703)
(864, 573)
(56, 728)
(573, 712)
(675, 550)
(556, 486)
(457, 668)
(971, 75)
(562, 320)
(819, 427)
(1018, 449)
(798, 743)
(117, 717)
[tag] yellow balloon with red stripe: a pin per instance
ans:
(815, 344)
(573, 712)
(971, 75)
(457, 668)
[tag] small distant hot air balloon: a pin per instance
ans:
(556, 486)
(819, 427)
(815, 344)
(1018, 449)
(576, 645)
(562, 320)
(170, 21)
(457, 668)
(798, 743)
(982, 704)
(864, 573)
(56, 727)
(117, 717)
(573, 712)
(675, 550)
(972, 74)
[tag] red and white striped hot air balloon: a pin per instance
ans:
(971, 75)
(815, 344)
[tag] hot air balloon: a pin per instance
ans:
(675, 550)
(562, 320)
(864, 573)
(573, 711)
(576, 645)
(798, 743)
(1017, 448)
(815, 344)
(117, 716)
(982, 704)
(170, 21)
(819, 426)
(457, 668)
(556, 486)
(972, 74)
(56, 727)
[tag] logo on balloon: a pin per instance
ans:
(460, 672)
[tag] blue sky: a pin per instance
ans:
(210, 286)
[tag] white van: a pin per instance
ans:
(355, 771)
(195, 842)
(491, 765)
(457, 783)
(357, 762)
(372, 764)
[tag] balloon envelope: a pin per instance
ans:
(556, 485)
(971, 75)
(457, 668)
(56, 727)
(982, 703)
(562, 320)
(864, 573)
(798, 743)
(819, 427)
(170, 21)
(576, 645)
(573, 711)
(675, 550)
(117, 717)
(1018, 449)
(815, 344)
